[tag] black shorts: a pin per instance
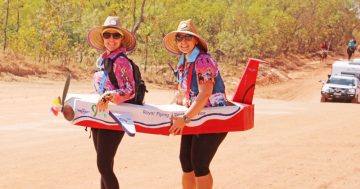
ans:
(197, 151)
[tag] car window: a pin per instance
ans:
(341, 81)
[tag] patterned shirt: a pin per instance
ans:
(206, 70)
(123, 73)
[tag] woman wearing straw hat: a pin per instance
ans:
(202, 86)
(114, 81)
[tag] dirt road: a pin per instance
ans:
(297, 142)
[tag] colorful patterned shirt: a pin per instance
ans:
(123, 73)
(206, 70)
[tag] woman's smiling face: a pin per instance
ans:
(185, 42)
(111, 38)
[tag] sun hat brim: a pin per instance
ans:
(96, 41)
(169, 42)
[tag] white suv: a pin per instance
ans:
(341, 87)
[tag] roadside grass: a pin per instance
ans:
(14, 67)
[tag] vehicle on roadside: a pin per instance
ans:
(341, 88)
(345, 67)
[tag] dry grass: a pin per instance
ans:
(15, 67)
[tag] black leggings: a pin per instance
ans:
(197, 151)
(106, 143)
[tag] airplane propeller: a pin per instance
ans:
(60, 106)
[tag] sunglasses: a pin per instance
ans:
(187, 37)
(107, 35)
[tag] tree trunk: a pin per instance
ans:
(146, 51)
(134, 11)
(81, 56)
(141, 18)
(6, 22)
(18, 17)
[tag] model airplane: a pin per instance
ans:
(80, 109)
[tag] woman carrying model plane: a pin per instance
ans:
(202, 86)
(114, 81)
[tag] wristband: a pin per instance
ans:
(186, 119)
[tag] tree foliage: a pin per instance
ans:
(51, 30)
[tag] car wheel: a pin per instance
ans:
(355, 100)
(323, 99)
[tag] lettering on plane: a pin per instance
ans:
(166, 115)
(82, 111)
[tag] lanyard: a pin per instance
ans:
(103, 79)
(184, 72)
(102, 83)
(189, 80)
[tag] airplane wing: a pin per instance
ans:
(125, 121)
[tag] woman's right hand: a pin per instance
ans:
(177, 125)
(103, 102)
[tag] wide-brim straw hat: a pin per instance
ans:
(186, 27)
(95, 39)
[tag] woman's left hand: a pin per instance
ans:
(103, 102)
(178, 125)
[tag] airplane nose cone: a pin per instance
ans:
(68, 112)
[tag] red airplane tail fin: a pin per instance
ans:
(245, 90)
